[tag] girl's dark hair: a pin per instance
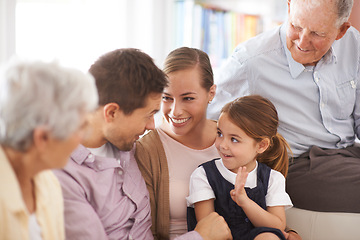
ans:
(258, 118)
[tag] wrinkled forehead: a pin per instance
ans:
(319, 6)
(320, 13)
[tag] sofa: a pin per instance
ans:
(313, 225)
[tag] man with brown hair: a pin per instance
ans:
(105, 194)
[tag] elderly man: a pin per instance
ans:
(309, 68)
(105, 194)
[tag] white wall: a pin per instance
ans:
(7, 29)
(149, 24)
(78, 32)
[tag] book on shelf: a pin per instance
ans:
(215, 31)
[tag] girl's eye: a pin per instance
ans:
(234, 140)
(219, 134)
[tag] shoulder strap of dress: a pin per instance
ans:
(263, 174)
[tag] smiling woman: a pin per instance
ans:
(167, 156)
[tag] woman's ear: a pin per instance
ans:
(41, 138)
(212, 92)
(263, 145)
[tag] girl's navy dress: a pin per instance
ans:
(239, 224)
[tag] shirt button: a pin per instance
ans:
(352, 84)
(91, 158)
(120, 172)
(322, 105)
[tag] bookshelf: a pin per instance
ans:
(217, 26)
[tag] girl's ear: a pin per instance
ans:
(263, 145)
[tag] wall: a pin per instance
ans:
(103, 25)
(355, 15)
(7, 29)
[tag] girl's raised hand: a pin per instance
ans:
(238, 194)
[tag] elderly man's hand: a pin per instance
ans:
(213, 227)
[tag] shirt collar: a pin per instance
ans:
(297, 68)
(82, 155)
(230, 176)
(330, 56)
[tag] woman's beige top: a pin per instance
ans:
(166, 166)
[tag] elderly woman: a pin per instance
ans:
(43, 111)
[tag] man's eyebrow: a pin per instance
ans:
(154, 111)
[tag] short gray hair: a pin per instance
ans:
(38, 94)
(343, 8)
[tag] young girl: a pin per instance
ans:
(254, 158)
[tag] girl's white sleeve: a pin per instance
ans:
(276, 195)
(199, 189)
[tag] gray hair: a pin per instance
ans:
(343, 8)
(37, 94)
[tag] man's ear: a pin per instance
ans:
(342, 30)
(263, 145)
(110, 111)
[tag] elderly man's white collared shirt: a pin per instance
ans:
(316, 105)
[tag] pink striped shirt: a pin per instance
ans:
(105, 198)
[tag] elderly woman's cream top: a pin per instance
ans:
(14, 216)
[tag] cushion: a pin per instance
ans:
(313, 225)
